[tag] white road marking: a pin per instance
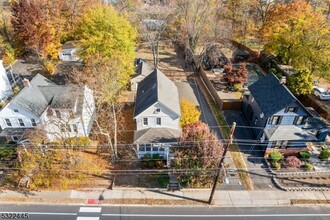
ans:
(216, 216)
(88, 218)
(90, 209)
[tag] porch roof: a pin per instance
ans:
(156, 135)
(288, 133)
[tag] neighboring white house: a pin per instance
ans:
(5, 86)
(69, 51)
(62, 111)
(157, 115)
(143, 70)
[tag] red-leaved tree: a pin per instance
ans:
(200, 152)
(235, 75)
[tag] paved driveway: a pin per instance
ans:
(253, 154)
(188, 89)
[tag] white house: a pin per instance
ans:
(69, 51)
(157, 115)
(143, 70)
(62, 111)
(5, 86)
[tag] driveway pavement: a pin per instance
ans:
(189, 90)
(253, 154)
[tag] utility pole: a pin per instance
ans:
(230, 141)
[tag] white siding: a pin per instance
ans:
(69, 55)
(53, 125)
(8, 112)
(168, 118)
(88, 111)
(5, 87)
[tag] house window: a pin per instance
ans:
(74, 128)
(58, 113)
(162, 148)
(145, 121)
(291, 109)
(275, 120)
(157, 110)
(21, 122)
(8, 122)
(33, 122)
(141, 147)
(298, 120)
(158, 121)
(148, 147)
(15, 110)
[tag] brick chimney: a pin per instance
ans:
(26, 82)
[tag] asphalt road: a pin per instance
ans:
(73, 212)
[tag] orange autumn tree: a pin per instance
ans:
(299, 36)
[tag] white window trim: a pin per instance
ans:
(20, 123)
(143, 121)
(160, 120)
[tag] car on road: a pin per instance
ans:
(321, 93)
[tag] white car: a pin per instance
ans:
(321, 93)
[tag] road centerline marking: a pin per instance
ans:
(90, 209)
(88, 218)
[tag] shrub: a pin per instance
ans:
(238, 87)
(16, 90)
(2, 104)
(304, 155)
(309, 166)
(293, 161)
(275, 156)
(78, 141)
(6, 150)
(9, 55)
(324, 154)
(276, 165)
(49, 66)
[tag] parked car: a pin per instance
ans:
(321, 93)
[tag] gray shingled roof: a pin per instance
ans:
(31, 98)
(288, 133)
(43, 93)
(270, 95)
(156, 135)
(144, 69)
(156, 87)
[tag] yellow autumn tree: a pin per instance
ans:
(189, 113)
(299, 36)
(104, 34)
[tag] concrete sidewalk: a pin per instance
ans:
(222, 197)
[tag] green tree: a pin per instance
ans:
(189, 113)
(301, 83)
(103, 33)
